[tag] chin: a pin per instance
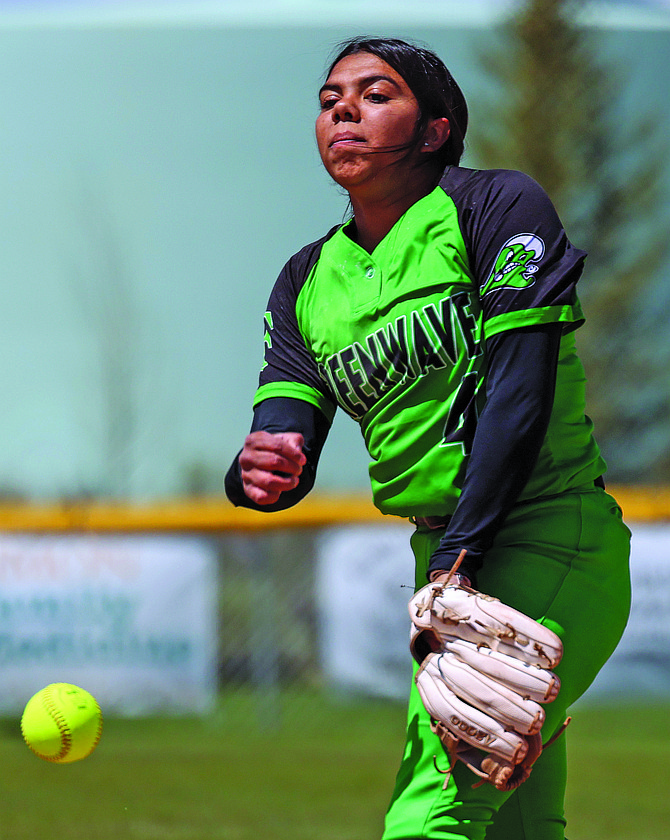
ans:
(348, 175)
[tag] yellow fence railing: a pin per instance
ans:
(199, 514)
(643, 504)
(649, 504)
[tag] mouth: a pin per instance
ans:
(346, 138)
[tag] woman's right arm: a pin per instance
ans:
(293, 410)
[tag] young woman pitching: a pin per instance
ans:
(441, 317)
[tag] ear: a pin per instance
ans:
(436, 134)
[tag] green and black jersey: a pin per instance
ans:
(397, 338)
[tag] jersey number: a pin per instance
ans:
(463, 415)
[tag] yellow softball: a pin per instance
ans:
(62, 723)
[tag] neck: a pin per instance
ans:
(375, 213)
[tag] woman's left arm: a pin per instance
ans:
(520, 386)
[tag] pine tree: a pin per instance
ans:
(557, 116)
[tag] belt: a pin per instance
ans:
(434, 523)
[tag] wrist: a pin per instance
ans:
(442, 575)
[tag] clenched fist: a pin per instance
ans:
(271, 464)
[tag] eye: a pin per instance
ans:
(327, 102)
(377, 98)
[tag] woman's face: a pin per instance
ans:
(367, 120)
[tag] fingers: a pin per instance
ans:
(271, 464)
(276, 452)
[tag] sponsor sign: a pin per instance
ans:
(365, 579)
(132, 619)
(641, 663)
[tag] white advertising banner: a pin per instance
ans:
(132, 619)
(641, 663)
(363, 580)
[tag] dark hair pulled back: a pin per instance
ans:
(429, 80)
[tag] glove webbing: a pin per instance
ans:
(452, 750)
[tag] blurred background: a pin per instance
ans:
(158, 167)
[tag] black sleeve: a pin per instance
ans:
(520, 386)
(284, 414)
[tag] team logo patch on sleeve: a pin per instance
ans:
(516, 264)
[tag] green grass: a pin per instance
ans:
(618, 776)
(321, 770)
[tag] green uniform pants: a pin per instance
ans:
(563, 561)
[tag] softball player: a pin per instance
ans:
(441, 317)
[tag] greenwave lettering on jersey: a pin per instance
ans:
(394, 334)
(267, 335)
(417, 342)
(516, 264)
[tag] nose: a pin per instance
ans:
(345, 110)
